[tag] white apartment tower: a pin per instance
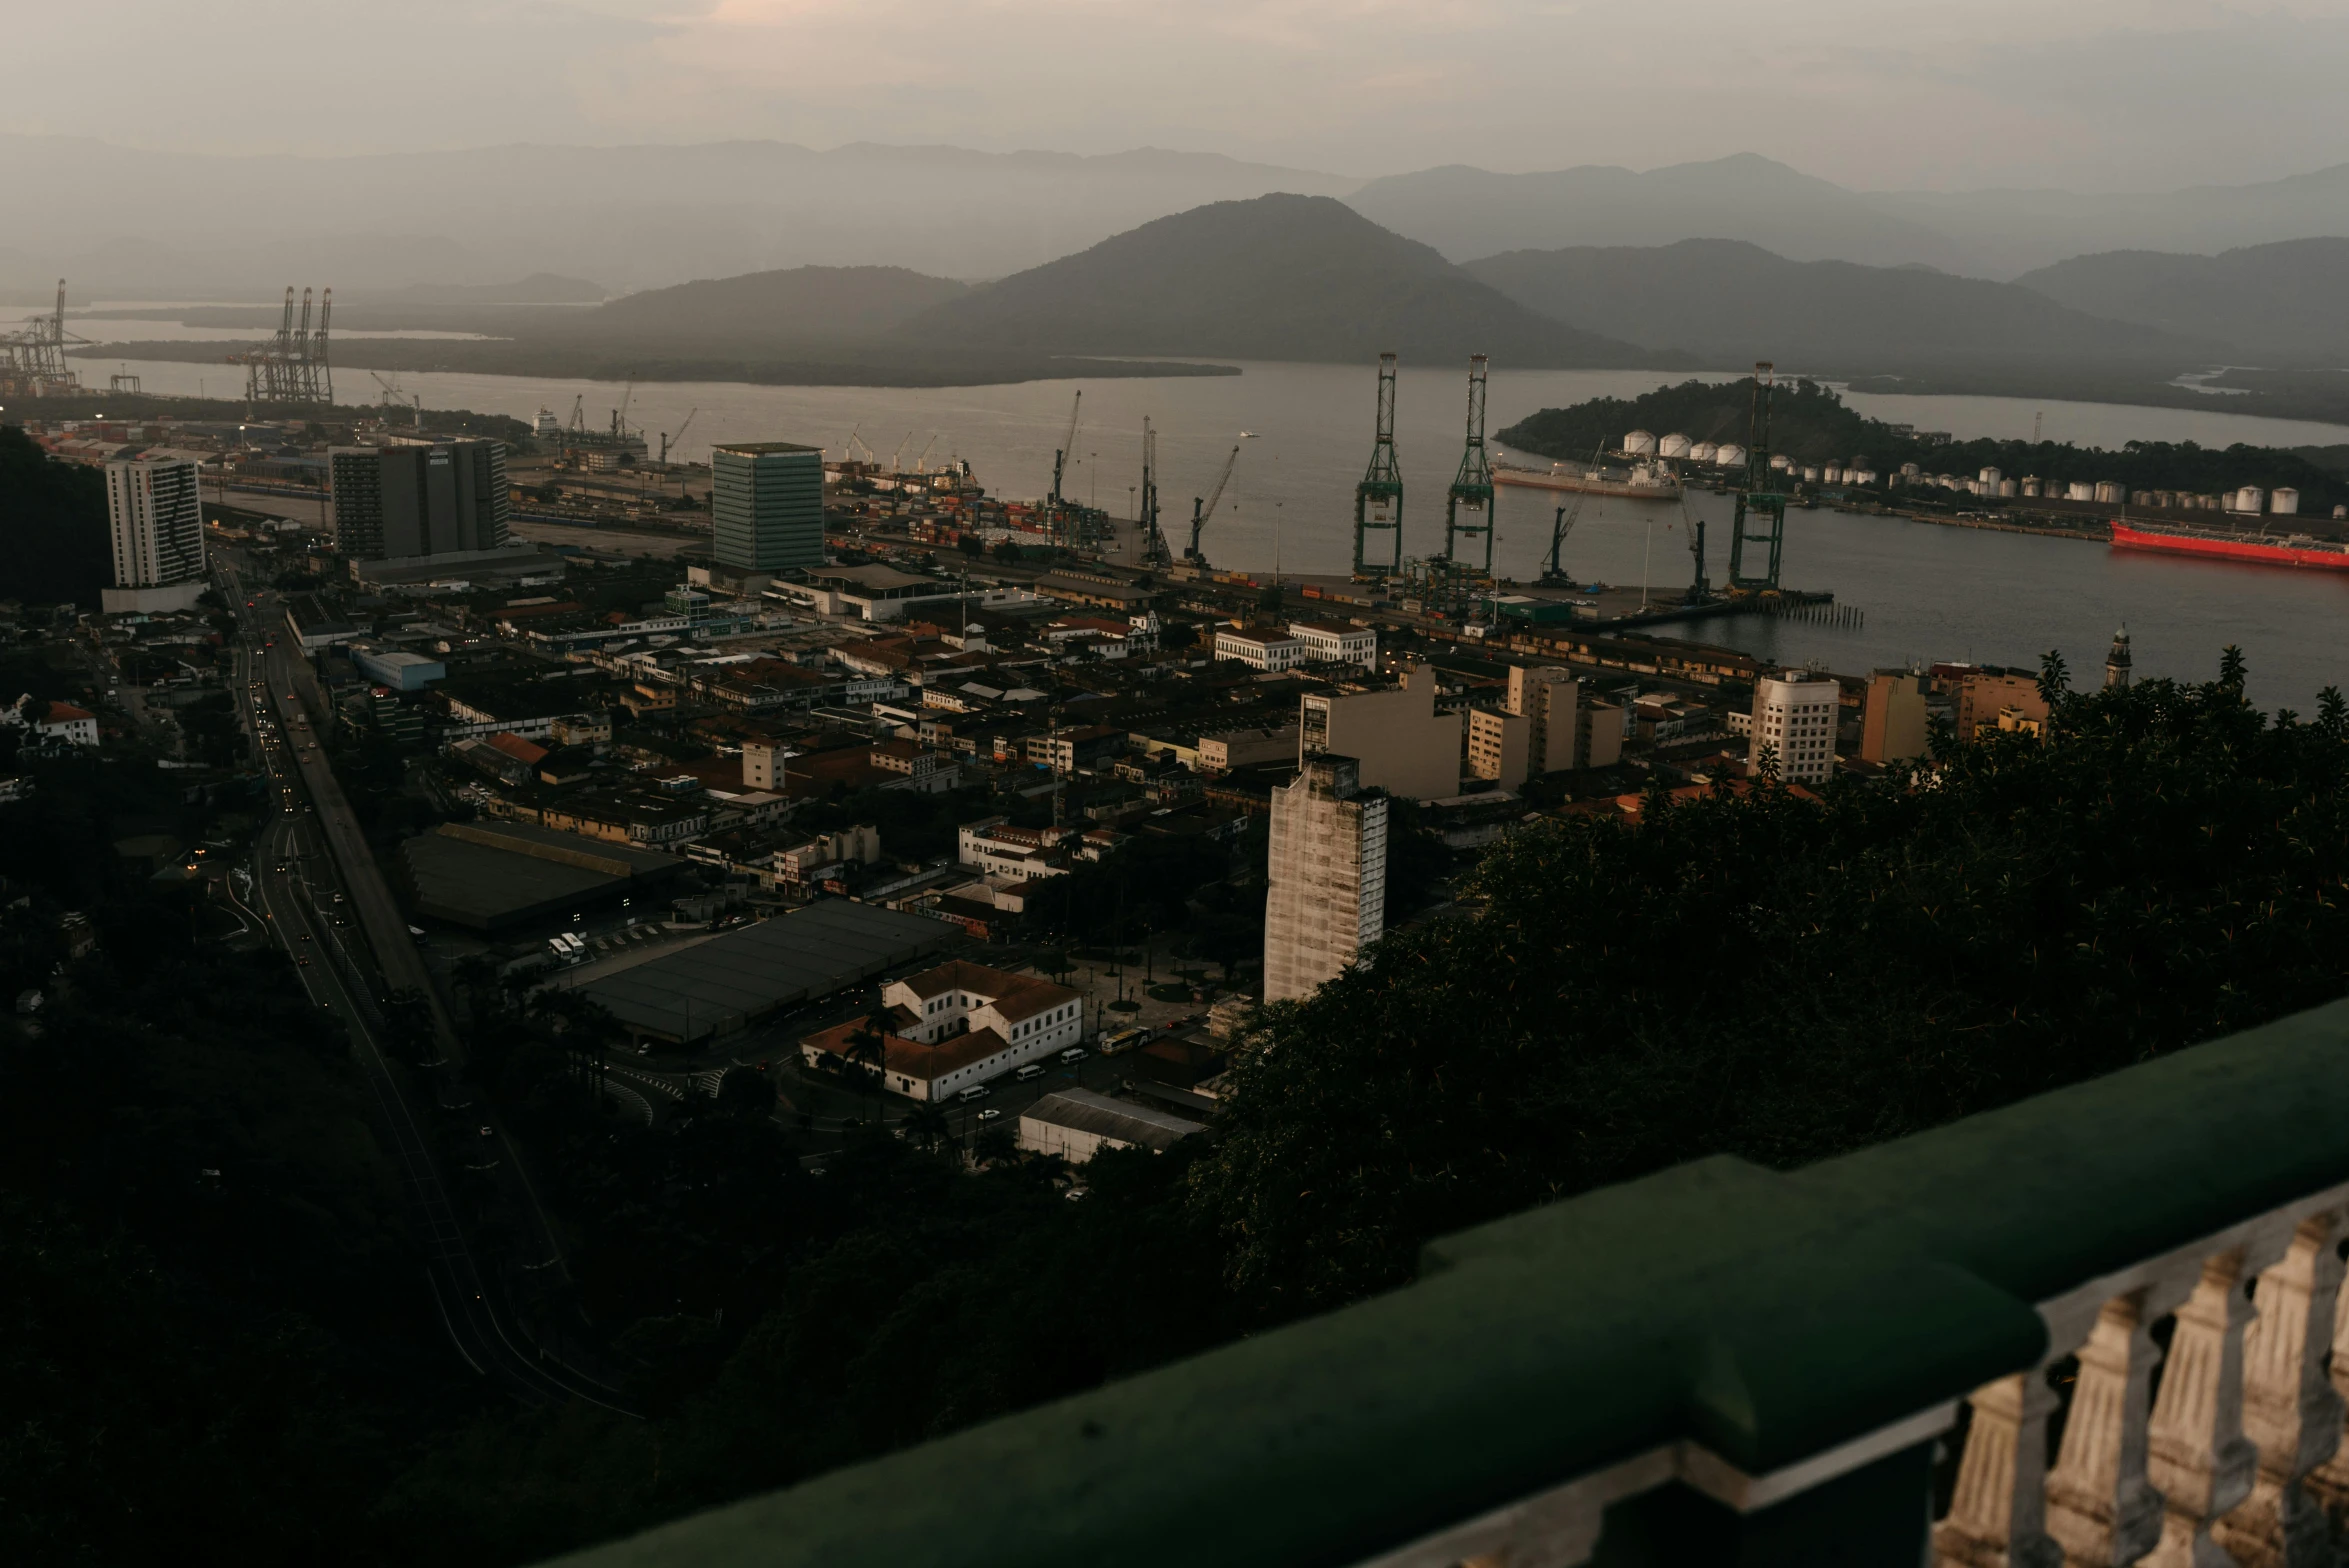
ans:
(1794, 716)
(155, 519)
(1328, 899)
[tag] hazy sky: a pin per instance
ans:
(2086, 94)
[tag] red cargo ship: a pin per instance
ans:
(2175, 539)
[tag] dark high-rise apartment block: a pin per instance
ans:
(391, 502)
(767, 506)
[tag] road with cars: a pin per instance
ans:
(315, 886)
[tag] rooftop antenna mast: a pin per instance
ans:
(1468, 505)
(1378, 499)
(1760, 516)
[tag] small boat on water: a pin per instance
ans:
(1641, 482)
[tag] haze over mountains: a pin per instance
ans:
(1280, 277)
(646, 216)
(631, 217)
(1726, 302)
(872, 265)
(2288, 300)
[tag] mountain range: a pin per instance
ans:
(640, 217)
(1279, 277)
(2288, 301)
(1727, 302)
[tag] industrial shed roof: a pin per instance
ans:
(726, 983)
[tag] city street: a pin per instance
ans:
(341, 961)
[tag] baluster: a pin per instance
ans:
(1997, 1510)
(2196, 1452)
(2289, 1408)
(2328, 1483)
(2100, 1508)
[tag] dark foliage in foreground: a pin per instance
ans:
(1764, 975)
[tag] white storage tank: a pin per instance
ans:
(1833, 473)
(1639, 441)
(1673, 445)
(1866, 476)
(2249, 499)
(2007, 489)
(1780, 463)
(1729, 454)
(1908, 470)
(1703, 452)
(2079, 490)
(2110, 493)
(2032, 484)
(2284, 501)
(1810, 475)
(1990, 476)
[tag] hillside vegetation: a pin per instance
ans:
(794, 305)
(1810, 423)
(1725, 302)
(2289, 299)
(52, 526)
(1280, 277)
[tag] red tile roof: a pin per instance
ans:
(911, 1058)
(1015, 997)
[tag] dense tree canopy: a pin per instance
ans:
(1784, 979)
(1812, 423)
(52, 525)
(219, 1334)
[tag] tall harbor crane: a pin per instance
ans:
(1760, 516)
(1554, 573)
(1058, 522)
(1378, 498)
(1201, 511)
(678, 439)
(1468, 505)
(1154, 551)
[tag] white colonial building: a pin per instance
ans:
(1261, 651)
(1337, 642)
(954, 1027)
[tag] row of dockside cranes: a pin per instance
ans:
(1460, 577)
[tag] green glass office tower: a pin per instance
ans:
(767, 506)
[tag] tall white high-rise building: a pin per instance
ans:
(1328, 899)
(1794, 716)
(156, 517)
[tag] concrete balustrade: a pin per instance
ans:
(1724, 1364)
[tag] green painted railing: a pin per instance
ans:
(1717, 1364)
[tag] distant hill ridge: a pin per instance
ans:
(1279, 277)
(796, 304)
(1728, 302)
(2288, 300)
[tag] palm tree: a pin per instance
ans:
(927, 1125)
(868, 1049)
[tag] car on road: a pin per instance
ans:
(990, 1114)
(303, 961)
(1075, 1053)
(489, 1132)
(1031, 1071)
(974, 1092)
